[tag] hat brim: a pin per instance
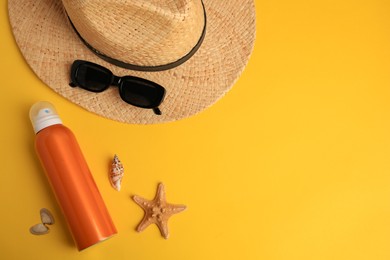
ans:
(50, 45)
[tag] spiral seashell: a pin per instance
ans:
(116, 173)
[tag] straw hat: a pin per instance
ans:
(195, 49)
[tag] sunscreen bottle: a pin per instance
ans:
(70, 178)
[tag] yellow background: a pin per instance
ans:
(293, 163)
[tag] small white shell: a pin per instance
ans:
(47, 217)
(116, 173)
(41, 228)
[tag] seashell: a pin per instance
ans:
(39, 229)
(46, 219)
(116, 173)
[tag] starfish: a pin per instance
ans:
(157, 211)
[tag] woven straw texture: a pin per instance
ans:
(50, 45)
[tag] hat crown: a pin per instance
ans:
(138, 32)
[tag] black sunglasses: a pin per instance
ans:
(135, 91)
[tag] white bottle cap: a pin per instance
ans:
(42, 115)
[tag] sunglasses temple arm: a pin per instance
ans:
(157, 111)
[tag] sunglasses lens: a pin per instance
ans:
(141, 92)
(93, 77)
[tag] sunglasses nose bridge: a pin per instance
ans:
(115, 80)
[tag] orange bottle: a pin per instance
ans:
(70, 178)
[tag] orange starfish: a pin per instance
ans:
(157, 211)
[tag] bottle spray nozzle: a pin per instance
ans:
(42, 115)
